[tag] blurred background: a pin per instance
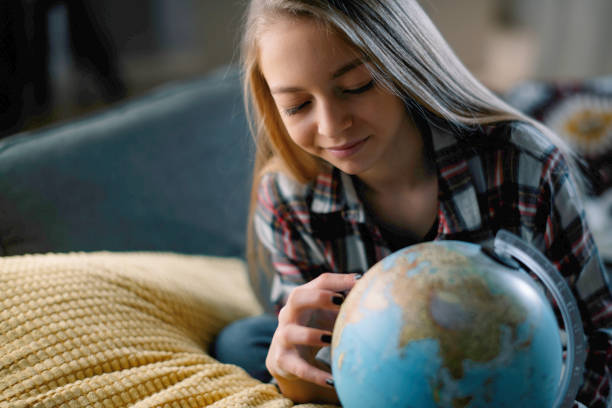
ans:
(60, 59)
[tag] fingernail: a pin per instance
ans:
(358, 276)
(337, 300)
(326, 338)
(329, 382)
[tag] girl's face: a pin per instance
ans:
(328, 101)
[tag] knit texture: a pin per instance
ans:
(123, 329)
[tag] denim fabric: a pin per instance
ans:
(245, 343)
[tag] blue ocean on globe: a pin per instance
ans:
(442, 325)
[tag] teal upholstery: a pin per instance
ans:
(168, 171)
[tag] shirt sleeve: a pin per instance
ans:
(281, 226)
(568, 243)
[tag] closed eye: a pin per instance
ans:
(359, 90)
(295, 109)
(354, 91)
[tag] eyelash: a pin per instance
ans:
(355, 91)
(359, 90)
(295, 109)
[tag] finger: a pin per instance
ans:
(336, 282)
(322, 319)
(308, 300)
(305, 336)
(305, 297)
(301, 369)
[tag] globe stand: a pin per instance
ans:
(510, 246)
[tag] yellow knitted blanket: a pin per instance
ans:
(123, 329)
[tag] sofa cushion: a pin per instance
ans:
(167, 171)
(130, 329)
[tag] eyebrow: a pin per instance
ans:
(346, 68)
(338, 73)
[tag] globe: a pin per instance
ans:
(444, 324)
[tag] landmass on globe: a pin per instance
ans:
(440, 317)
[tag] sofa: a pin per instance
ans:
(168, 171)
(122, 237)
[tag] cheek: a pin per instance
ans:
(383, 103)
(301, 133)
(387, 112)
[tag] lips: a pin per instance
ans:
(347, 149)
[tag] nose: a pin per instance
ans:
(333, 118)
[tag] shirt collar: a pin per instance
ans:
(460, 178)
(334, 191)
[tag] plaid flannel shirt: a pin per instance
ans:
(506, 176)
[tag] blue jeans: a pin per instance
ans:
(245, 343)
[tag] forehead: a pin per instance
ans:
(292, 47)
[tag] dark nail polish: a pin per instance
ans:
(329, 382)
(338, 300)
(326, 338)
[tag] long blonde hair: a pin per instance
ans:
(405, 53)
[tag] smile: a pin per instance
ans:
(346, 150)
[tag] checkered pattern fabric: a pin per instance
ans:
(580, 112)
(506, 176)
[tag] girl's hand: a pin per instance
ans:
(305, 325)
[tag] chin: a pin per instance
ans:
(349, 168)
(354, 165)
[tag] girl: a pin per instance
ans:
(372, 136)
